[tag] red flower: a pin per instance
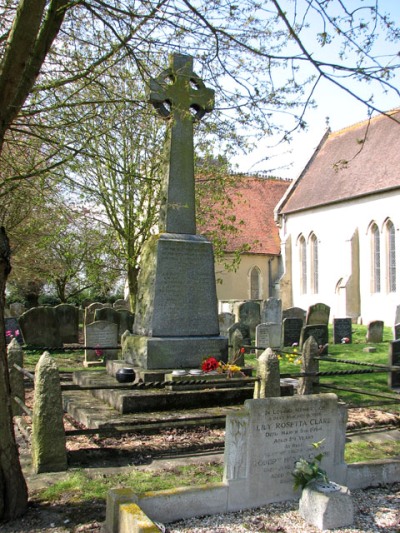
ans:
(209, 364)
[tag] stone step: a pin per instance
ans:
(95, 414)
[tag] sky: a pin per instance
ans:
(334, 106)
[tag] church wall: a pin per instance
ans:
(335, 227)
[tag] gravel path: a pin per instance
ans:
(376, 510)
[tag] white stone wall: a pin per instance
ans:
(334, 227)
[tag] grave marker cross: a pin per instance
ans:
(180, 95)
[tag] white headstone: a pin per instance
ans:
(98, 335)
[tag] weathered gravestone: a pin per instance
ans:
(121, 304)
(126, 319)
(90, 311)
(396, 332)
(250, 315)
(266, 438)
(176, 316)
(342, 329)
(267, 336)
(291, 331)
(99, 335)
(16, 309)
(244, 330)
(108, 314)
(394, 360)
(375, 331)
(397, 315)
(68, 320)
(226, 320)
(294, 312)
(40, 327)
(271, 311)
(318, 314)
(13, 330)
(320, 334)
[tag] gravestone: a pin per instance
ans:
(394, 360)
(375, 331)
(121, 304)
(320, 334)
(397, 315)
(16, 309)
(176, 316)
(342, 329)
(250, 315)
(90, 311)
(291, 331)
(40, 327)
(396, 332)
(97, 336)
(318, 314)
(13, 330)
(267, 336)
(244, 330)
(225, 320)
(68, 320)
(294, 312)
(108, 314)
(265, 439)
(271, 311)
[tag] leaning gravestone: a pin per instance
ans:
(294, 312)
(176, 315)
(13, 330)
(99, 335)
(226, 320)
(40, 327)
(394, 360)
(375, 331)
(267, 336)
(342, 329)
(68, 320)
(265, 439)
(318, 314)
(244, 330)
(320, 334)
(271, 311)
(249, 315)
(291, 331)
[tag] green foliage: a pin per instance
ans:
(306, 471)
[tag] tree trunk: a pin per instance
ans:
(133, 273)
(13, 490)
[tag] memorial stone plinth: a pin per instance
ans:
(176, 317)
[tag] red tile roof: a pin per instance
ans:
(359, 160)
(253, 202)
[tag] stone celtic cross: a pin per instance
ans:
(178, 94)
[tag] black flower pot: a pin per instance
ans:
(125, 375)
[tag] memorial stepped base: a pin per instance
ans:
(98, 400)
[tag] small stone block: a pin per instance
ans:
(369, 349)
(115, 498)
(133, 520)
(326, 506)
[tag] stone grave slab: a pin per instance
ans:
(396, 316)
(342, 328)
(318, 314)
(291, 331)
(268, 436)
(244, 330)
(68, 320)
(394, 360)
(90, 311)
(250, 315)
(108, 314)
(268, 336)
(98, 335)
(16, 309)
(40, 327)
(271, 311)
(294, 312)
(396, 332)
(375, 331)
(226, 320)
(125, 321)
(319, 332)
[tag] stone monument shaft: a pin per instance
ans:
(181, 96)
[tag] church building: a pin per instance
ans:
(339, 224)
